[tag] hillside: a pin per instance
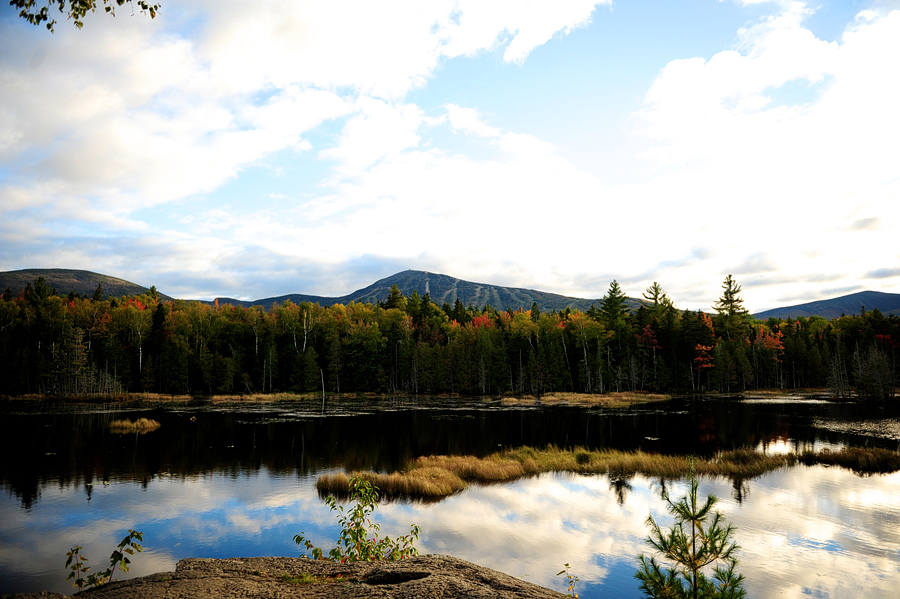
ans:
(443, 289)
(66, 280)
(887, 303)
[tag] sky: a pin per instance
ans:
(251, 149)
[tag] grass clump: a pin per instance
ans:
(606, 400)
(423, 483)
(436, 477)
(140, 426)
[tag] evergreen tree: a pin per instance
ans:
(698, 540)
(394, 299)
(732, 317)
(657, 300)
(613, 304)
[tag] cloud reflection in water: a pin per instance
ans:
(803, 531)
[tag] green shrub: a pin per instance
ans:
(358, 540)
(117, 561)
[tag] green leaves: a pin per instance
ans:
(117, 561)
(358, 539)
(73, 9)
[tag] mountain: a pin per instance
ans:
(442, 288)
(65, 280)
(887, 303)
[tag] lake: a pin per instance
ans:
(229, 481)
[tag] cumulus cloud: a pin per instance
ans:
(171, 111)
(469, 121)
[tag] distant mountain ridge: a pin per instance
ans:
(887, 303)
(441, 289)
(66, 280)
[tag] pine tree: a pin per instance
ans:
(613, 304)
(395, 299)
(698, 541)
(732, 317)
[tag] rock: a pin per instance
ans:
(428, 576)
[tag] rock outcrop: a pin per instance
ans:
(423, 577)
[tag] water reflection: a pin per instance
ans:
(803, 531)
(231, 484)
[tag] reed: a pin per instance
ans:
(434, 477)
(421, 483)
(141, 426)
(606, 400)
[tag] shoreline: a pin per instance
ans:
(608, 399)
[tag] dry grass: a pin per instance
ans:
(421, 483)
(433, 477)
(525, 400)
(608, 400)
(263, 397)
(157, 397)
(140, 426)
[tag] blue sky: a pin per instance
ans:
(248, 150)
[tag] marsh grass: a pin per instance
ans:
(606, 400)
(435, 477)
(421, 483)
(140, 426)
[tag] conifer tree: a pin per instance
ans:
(732, 317)
(613, 304)
(699, 541)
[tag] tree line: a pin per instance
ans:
(75, 345)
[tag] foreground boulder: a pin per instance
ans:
(429, 576)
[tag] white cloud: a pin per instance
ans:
(379, 129)
(469, 121)
(771, 148)
(526, 25)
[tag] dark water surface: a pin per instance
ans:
(226, 481)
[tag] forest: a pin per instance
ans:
(96, 346)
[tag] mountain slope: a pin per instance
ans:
(65, 280)
(444, 289)
(888, 303)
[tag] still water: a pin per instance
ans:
(219, 481)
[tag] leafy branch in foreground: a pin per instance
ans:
(698, 541)
(75, 562)
(358, 540)
(75, 9)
